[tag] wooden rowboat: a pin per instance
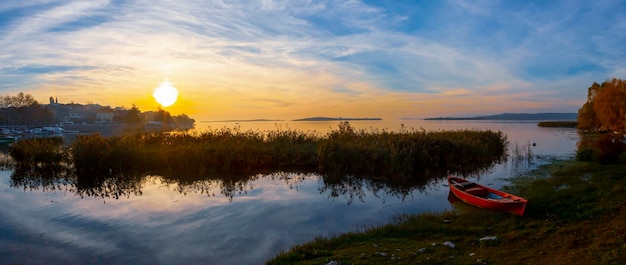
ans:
(485, 197)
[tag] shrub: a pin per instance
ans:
(38, 152)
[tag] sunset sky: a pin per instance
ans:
(291, 59)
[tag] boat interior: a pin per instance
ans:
(478, 191)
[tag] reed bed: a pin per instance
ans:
(39, 152)
(406, 158)
(408, 154)
(558, 124)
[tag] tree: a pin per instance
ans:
(23, 109)
(605, 108)
(183, 121)
(610, 106)
(35, 114)
(163, 116)
(587, 119)
(133, 116)
(21, 100)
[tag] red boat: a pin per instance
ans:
(485, 197)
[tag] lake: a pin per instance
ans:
(208, 222)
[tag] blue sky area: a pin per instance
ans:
(290, 59)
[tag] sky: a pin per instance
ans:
(250, 59)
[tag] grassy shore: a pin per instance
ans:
(576, 215)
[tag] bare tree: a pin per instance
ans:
(21, 100)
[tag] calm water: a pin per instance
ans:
(204, 223)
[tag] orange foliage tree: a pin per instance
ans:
(605, 109)
(587, 119)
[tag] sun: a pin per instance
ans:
(165, 94)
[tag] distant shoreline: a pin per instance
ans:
(503, 117)
(253, 120)
(517, 116)
(303, 119)
(337, 119)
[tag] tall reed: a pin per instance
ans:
(38, 152)
(407, 158)
(408, 154)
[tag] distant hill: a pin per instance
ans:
(253, 120)
(337, 119)
(518, 117)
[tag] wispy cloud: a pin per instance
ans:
(302, 53)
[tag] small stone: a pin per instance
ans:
(488, 238)
(333, 263)
(472, 254)
(449, 244)
(422, 250)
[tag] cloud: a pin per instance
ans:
(253, 48)
(39, 69)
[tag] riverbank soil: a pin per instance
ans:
(576, 215)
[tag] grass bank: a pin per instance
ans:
(576, 215)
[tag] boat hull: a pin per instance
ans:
(485, 197)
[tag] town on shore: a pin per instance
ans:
(23, 117)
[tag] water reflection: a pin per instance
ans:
(355, 187)
(245, 219)
(171, 223)
(46, 179)
(352, 187)
(228, 187)
(604, 148)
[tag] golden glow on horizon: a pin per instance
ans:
(165, 94)
(256, 95)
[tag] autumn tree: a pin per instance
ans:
(605, 109)
(587, 119)
(610, 106)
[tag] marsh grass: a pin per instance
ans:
(519, 152)
(558, 124)
(576, 215)
(409, 153)
(6, 161)
(39, 156)
(401, 160)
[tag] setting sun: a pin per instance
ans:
(165, 94)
